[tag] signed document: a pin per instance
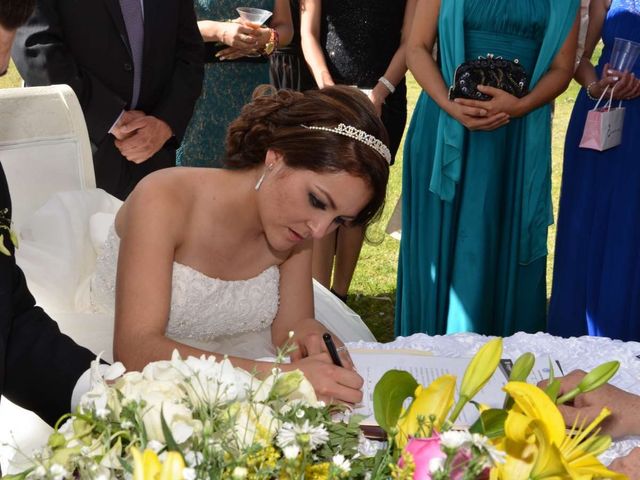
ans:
(372, 365)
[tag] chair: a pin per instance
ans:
(44, 149)
(43, 137)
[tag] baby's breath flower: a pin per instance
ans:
(127, 424)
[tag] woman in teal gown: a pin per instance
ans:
(476, 175)
(228, 83)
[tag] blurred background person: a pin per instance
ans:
(476, 187)
(359, 43)
(287, 66)
(236, 62)
(137, 74)
(596, 274)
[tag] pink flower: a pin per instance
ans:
(425, 452)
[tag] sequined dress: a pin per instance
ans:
(596, 275)
(359, 38)
(227, 86)
(202, 308)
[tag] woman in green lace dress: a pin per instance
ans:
(476, 184)
(231, 72)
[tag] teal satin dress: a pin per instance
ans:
(475, 204)
(227, 87)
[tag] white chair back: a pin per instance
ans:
(44, 146)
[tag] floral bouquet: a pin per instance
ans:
(526, 439)
(199, 418)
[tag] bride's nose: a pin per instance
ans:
(320, 226)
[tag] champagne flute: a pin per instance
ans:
(254, 16)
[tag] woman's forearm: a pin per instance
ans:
(427, 74)
(136, 352)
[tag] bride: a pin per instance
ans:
(208, 254)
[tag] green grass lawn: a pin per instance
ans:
(373, 290)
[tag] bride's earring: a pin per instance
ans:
(261, 179)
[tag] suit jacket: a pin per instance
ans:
(84, 44)
(39, 366)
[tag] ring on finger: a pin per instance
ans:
(341, 349)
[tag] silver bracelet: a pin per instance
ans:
(387, 84)
(588, 90)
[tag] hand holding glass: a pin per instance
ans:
(255, 17)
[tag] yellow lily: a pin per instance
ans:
(435, 400)
(147, 466)
(478, 372)
(538, 447)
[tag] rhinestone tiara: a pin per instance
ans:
(357, 134)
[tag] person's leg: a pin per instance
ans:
(322, 263)
(347, 253)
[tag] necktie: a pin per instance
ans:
(134, 23)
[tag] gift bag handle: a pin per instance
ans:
(610, 101)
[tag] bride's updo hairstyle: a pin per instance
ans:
(279, 120)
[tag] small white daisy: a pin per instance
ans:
(454, 439)
(341, 462)
(301, 435)
(291, 451)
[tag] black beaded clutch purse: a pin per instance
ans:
(507, 75)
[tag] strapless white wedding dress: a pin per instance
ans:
(232, 317)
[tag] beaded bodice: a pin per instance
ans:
(202, 307)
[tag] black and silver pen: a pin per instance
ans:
(331, 348)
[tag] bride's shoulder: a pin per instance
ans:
(167, 193)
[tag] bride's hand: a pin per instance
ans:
(331, 383)
(312, 344)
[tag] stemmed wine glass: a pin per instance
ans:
(254, 16)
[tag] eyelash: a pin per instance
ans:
(317, 203)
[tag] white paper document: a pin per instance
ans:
(373, 364)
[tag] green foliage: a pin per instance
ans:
(389, 394)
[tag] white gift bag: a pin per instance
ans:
(603, 127)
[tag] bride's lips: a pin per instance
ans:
(295, 236)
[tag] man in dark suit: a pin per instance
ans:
(136, 67)
(39, 366)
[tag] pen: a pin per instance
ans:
(331, 347)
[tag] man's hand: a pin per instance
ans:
(126, 118)
(624, 406)
(144, 137)
(629, 465)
